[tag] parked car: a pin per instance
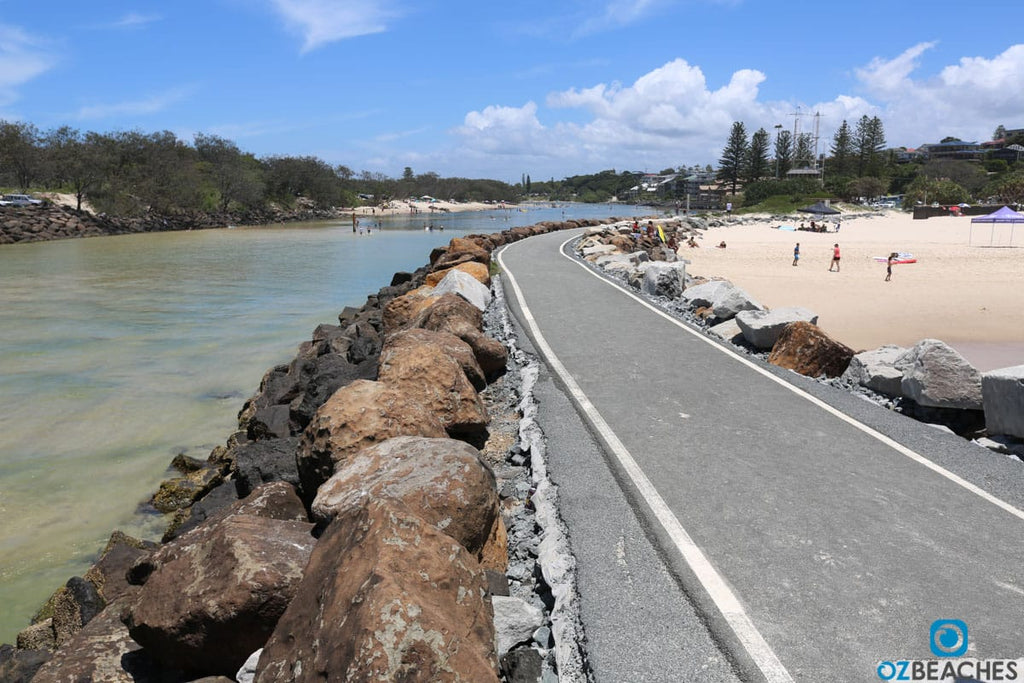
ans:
(18, 200)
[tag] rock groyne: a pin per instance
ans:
(49, 221)
(358, 524)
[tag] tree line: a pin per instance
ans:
(858, 164)
(128, 173)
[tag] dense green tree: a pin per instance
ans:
(868, 143)
(757, 166)
(21, 159)
(842, 151)
(783, 153)
(734, 156)
(1009, 189)
(927, 191)
(74, 161)
(1000, 132)
(966, 174)
(236, 177)
(867, 187)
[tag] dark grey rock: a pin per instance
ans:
(261, 462)
(522, 666)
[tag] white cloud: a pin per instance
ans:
(320, 22)
(967, 100)
(23, 57)
(149, 105)
(671, 116)
(887, 77)
(667, 117)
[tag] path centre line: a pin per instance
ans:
(713, 582)
(913, 455)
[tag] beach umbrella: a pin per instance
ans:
(820, 208)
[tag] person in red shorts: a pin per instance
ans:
(835, 258)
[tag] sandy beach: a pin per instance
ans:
(970, 296)
(402, 207)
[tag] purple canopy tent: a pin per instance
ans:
(1003, 215)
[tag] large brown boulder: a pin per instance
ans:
(406, 341)
(359, 415)
(220, 598)
(460, 250)
(428, 372)
(444, 481)
(400, 311)
(804, 348)
(276, 500)
(480, 271)
(451, 313)
(386, 597)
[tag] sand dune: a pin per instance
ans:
(971, 297)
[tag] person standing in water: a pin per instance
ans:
(835, 258)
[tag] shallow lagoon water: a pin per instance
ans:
(116, 353)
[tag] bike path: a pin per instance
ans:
(834, 546)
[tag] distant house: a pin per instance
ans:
(954, 149)
(701, 189)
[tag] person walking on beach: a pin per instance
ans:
(835, 258)
(796, 253)
(888, 266)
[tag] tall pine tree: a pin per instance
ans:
(734, 156)
(783, 153)
(842, 150)
(757, 156)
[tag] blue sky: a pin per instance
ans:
(499, 89)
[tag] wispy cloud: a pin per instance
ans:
(320, 22)
(23, 57)
(134, 20)
(398, 135)
(148, 105)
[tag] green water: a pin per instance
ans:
(116, 353)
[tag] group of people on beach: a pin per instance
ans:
(836, 257)
(818, 227)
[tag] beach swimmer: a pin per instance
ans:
(796, 253)
(835, 258)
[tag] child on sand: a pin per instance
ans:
(888, 266)
(796, 253)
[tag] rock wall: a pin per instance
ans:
(55, 222)
(355, 487)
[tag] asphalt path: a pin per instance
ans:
(810, 533)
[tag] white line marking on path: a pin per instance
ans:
(913, 455)
(714, 583)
